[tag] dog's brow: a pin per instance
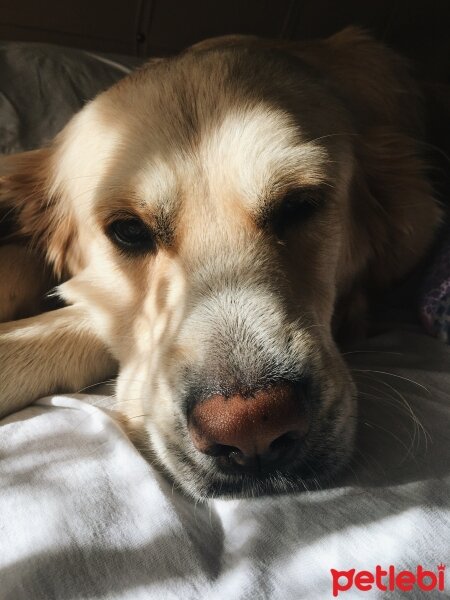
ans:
(164, 226)
(160, 216)
(264, 154)
(293, 179)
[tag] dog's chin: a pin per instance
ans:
(304, 480)
(312, 477)
(318, 467)
(276, 484)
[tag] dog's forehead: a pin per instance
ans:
(223, 120)
(195, 137)
(245, 154)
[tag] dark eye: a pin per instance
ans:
(296, 206)
(131, 234)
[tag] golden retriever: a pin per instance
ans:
(211, 220)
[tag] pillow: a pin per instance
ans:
(42, 86)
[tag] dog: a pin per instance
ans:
(211, 221)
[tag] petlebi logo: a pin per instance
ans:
(389, 580)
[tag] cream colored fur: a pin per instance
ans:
(205, 149)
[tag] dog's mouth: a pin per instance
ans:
(307, 479)
(312, 473)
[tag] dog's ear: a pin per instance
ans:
(393, 218)
(32, 209)
(393, 204)
(374, 82)
(394, 211)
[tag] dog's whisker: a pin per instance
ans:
(419, 427)
(403, 400)
(371, 352)
(400, 398)
(372, 424)
(141, 416)
(93, 385)
(315, 326)
(393, 375)
(331, 135)
(414, 435)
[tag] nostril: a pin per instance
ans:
(227, 455)
(285, 440)
(282, 445)
(219, 450)
(238, 458)
(278, 449)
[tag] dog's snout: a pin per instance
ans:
(252, 431)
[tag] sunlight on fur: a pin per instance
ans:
(212, 221)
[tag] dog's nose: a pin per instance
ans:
(256, 431)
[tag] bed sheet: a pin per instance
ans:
(83, 515)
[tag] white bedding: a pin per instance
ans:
(82, 515)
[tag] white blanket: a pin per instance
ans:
(82, 515)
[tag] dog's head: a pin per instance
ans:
(210, 211)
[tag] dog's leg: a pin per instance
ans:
(52, 352)
(24, 280)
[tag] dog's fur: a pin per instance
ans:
(282, 183)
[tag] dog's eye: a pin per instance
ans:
(296, 206)
(131, 234)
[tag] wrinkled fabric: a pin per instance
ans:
(42, 86)
(82, 515)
